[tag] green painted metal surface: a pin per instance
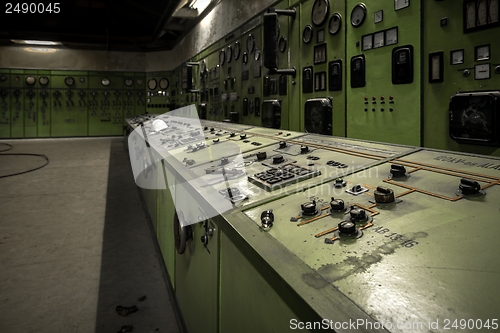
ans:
(69, 115)
(5, 106)
(30, 103)
(446, 39)
(17, 103)
(44, 96)
(105, 104)
(368, 116)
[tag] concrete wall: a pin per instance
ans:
(68, 59)
(224, 18)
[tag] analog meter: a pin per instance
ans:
(391, 36)
(69, 81)
(282, 44)
(229, 53)
(222, 57)
(335, 23)
(105, 81)
(493, 11)
(43, 80)
(31, 80)
(367, 42)
(164, 84)
(237, 50)
(250, 43)
(358, 15)
(129, 82)
(482, 12)
(457, 57)
(320, 11)
(307, 34)
(152, 84)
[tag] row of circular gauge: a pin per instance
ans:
(234, 52)
(69, 81)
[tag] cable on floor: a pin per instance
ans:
(1, 143)
(23, 154)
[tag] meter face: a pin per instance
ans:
(320, 12)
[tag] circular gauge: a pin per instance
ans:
(320, 11)
(335, 24)
(282, 44)
(31, 80)
(245, 57)
(237, 50)
(307, 34)
(152, 84)
(139, 81)
(43, 80)
(128, 82)
(256, 55)
(358, 15)
(164, 83)
(105, 81)
(222, 57)
(69, 81)
(250, 43)
(82, 79)
(229, 54)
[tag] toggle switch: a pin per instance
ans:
(357, 215)
(282, 144)
(347, 228)
(469, 187)
(304, 149)
(398, 171)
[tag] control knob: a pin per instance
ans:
(469, 187)
(358, 214)
(278, 159)
(398, 171)
(304, 149)
(339, 183)
(309, 208)
(384, 195)
(337, 204)
(347, 228)
(224, 161)
(282, 144)
(243, 136)
(267, 218)
(262, 156)
(232, 135)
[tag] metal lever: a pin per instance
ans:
(209, 232)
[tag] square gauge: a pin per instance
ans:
(482, 52)
(378, 16)
(379, 39)
(400, 4)
(391, 36)
(321, 36)
(457, 57)
(367, 42)
(482, 72)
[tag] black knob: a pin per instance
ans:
(204, 239)
(339, 183)
(224, 161)
(261, 155)
(216, 140)
(384, 195)
(309, 208)
(205, 128)
(282, 144)
(468, 186)
(232, 135)
(398, 170)
(304, 149)
(347, 227)
(278, 159)
(212, 129)
(337, 204)
(243, 136)
(267, 218)
(358, 214)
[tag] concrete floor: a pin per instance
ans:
(75, 242)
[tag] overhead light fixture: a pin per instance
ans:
(191, 9)
(200, 5)
(36, 42)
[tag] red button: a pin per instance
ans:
(374, 98)
(391, 98)
(382, 98)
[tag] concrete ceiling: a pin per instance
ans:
(115, 25)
